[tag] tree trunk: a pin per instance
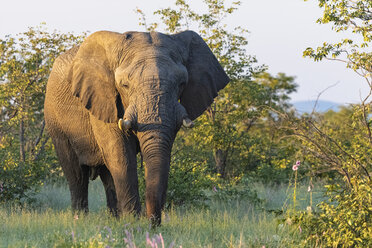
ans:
(220, 157)
(22, 141)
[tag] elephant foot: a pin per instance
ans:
(155, 222)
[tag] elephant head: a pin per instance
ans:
(150, 84)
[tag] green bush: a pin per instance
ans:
(236, 191)
(18, 181)
(187, 181)
(343, 221)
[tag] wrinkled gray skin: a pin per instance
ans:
(154, 82)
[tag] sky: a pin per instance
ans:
(279, 32)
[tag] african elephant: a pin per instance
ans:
(119, 94)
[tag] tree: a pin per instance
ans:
(341, 142)
(25, 64)
(348, 15)
(354, 16)
(233, 128)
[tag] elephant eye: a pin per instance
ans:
(124, 84)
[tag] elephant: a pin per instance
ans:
(119, 94)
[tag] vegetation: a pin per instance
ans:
(234, 223)
(241, 187)
(26, 152)
(335, 148)
(341, 142)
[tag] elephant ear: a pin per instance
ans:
(93, 82)
(206, 75)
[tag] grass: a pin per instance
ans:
(223, 224)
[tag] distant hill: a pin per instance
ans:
(321, 106)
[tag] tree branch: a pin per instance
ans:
(37, 141)
(36, 157)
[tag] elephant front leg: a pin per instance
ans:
(126, 185)
(119, 152)
(122, 164)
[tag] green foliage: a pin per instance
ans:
(347, 15)
(343, 221)
(336, 142)
(26, 151)
(16, 181)
(187, 178)
(240, 190)
(238, 127)
(340, 142)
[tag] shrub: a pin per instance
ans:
(235, 190)
(343, 221)
(18, 181)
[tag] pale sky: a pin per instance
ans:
(279, 32)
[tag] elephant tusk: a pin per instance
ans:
(187, 123)
(124, 124)
(120, 124)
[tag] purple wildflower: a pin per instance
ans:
(156, 241)
(129, 239)
(108, 229)
(172, 244)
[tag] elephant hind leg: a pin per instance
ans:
(109, 186)
(77, 175)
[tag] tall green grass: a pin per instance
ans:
(223, 224)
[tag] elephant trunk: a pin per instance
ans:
(155, 149)
(155, 117)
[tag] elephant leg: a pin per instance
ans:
(77, 175)
(124, 175)
(119, 152)
(109, 186)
